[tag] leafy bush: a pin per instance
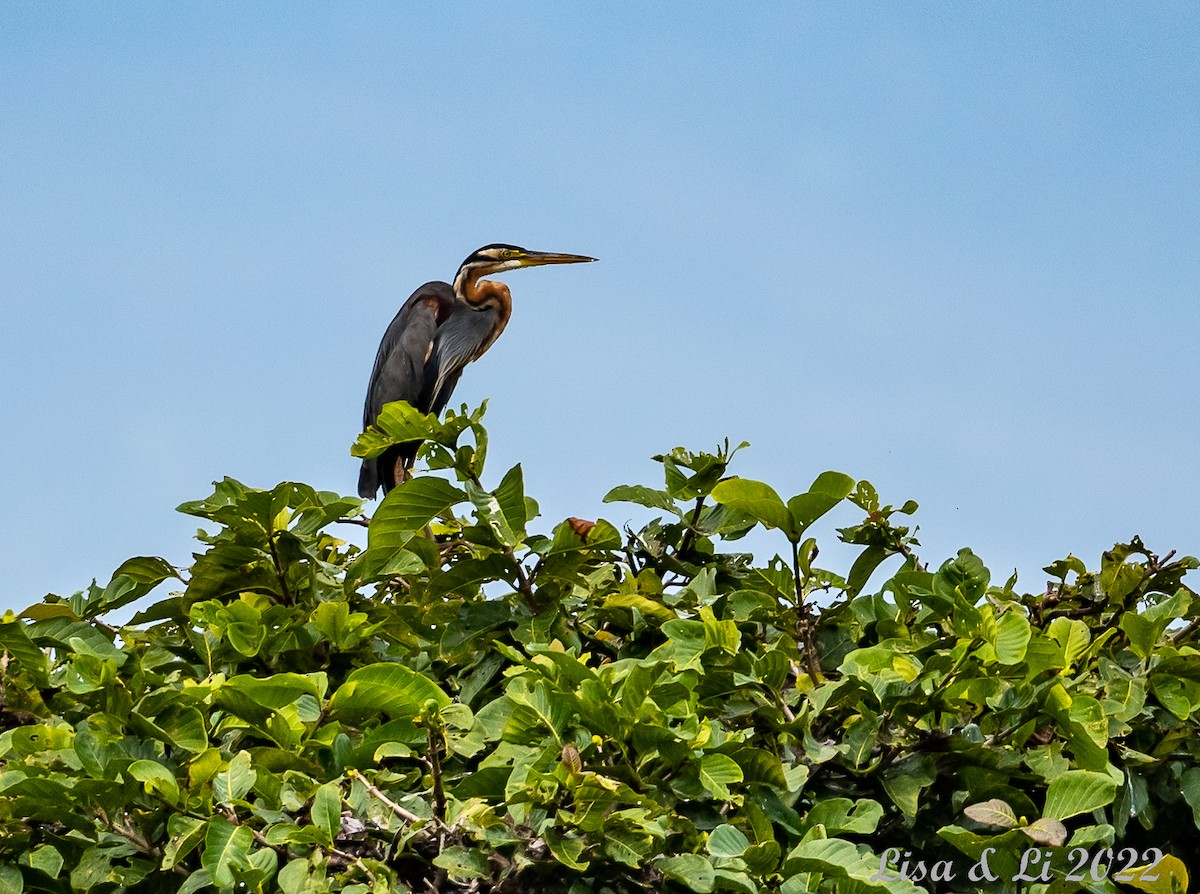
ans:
(492, 709)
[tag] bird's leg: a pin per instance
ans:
(400, 472)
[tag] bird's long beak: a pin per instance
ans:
(538, 258)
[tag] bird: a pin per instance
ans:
(439, 330)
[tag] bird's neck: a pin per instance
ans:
(485, 294)
(481, 294)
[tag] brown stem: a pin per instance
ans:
(806, 621)
(629, 556)
(351, 858)
(1186, 631)
(130, 834)
(782, 705)
(435, 770)
(950, 675)
(689, 536)
(406, 815)
(1082, 611)
(524, 587)
(279, 571)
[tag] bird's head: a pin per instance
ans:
(499, 257)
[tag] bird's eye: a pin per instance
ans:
(511, 253)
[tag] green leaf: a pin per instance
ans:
(16, 641)
(861, 738)
(197, 881)
(234, 781)
(510, 496)
(144, 573)
(280, 690)
(837, 858)
(293, 878)
(737, 881)
(386, 688)
(491, 515)
(536, 710)
(566, 540)
(1177, 694)
(463, 864)
(906, 779)
(1078, 791)
(184, 834)
(643, 496)
(1012, 637)
(327, 811)
(1142, 633)
(727, 841)
(719, 634)
(156, 779)
(408, 508)
(10, 880)
(840, 815)
(181, 726)
(567, 850)
(757, 500)
(864, 566)
(717, 773)
(691, 870)
(829, 489)
(226, 850)
(957, 587)
(636, 601)
(1072, 635)
(398, 422)
(629, 846)
(384, 563)
(1189, 785)
(46, 859)
(466, 576)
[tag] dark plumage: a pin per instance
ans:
(439, 330)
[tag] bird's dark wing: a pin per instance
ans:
(400, 369)
(463, 337)
(399, 372)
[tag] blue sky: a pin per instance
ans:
(951, 249)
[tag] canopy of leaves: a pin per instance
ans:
(471, 704)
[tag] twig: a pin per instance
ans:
(787, 712)
(435, 768)
(357, 861)
(689, 535)
(633, 569)
(131, 835)
(810, 645)
(1186, 631)
(524, 587)
(279, 570)
(406, 815)
(364, 521)
(262, 840)
(950, 675)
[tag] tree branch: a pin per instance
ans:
(279, 569)
(689, 536)
(406, 815)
